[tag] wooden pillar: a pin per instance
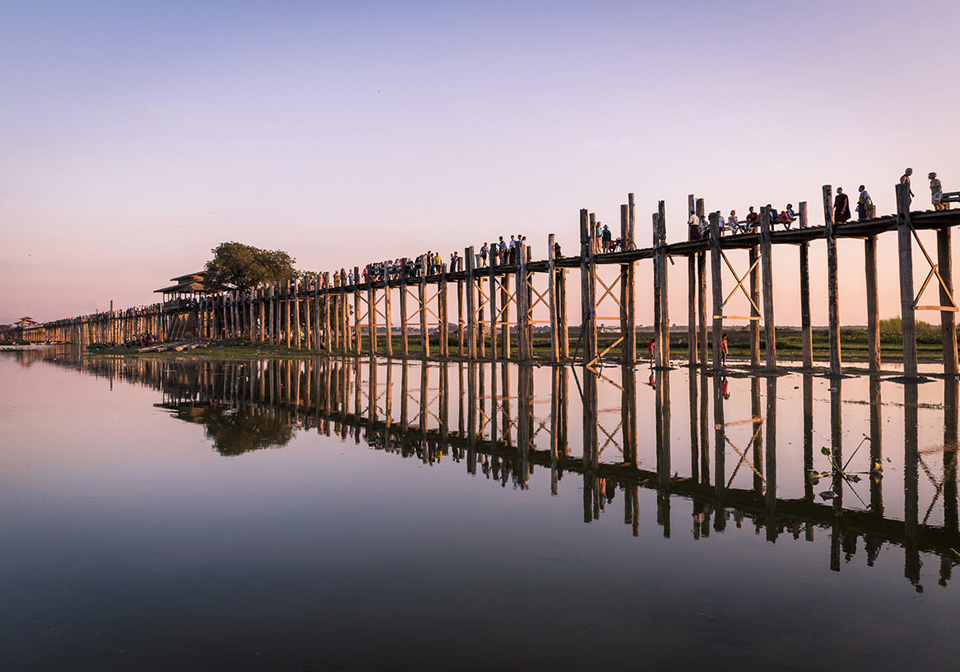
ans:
(356, 311)
(443, 330)
(948, 324)
(328, 342)
(588, 322)
(554, 315)
(657, 293)
(628, 311)
(766, 261)
(505, 346)
(563, 313)
(422, 296)
(664, 337)
(753, 256)
(833, 282)
(460, 329)
(806, 330)
(907, 313)
(471, 305)
(523, 305)
(873, 303)
(405, 346)
(717, 291)
(492, 300)
(296, 314)
(701, 296)
(371, 311)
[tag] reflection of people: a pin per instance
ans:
(653, 380)
(724, 350)
(725, 387)
(841, 207)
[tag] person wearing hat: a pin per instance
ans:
(936, 192)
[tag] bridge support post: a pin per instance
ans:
(471, 305)
(717, 288)
(628, 317)
(806, 331)
(873, 303)
(588, 302)
(907, 313)
(766, 261)
(833, 285)
(948, 323)
(702, 296)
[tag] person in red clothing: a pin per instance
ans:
(753, 219)
(652, 348)
(724, 350)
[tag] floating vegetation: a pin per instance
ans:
(848, 477)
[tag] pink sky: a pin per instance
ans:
(137, 138)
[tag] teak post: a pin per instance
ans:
(948, 323)
(552, 296)
(806, 330)
(766, 261)
(717, 290)
(833, 282)
(873, 302)
(907, 314)
(588, 322)
(471, 306)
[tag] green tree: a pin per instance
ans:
(239, 266)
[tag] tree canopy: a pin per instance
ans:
(239, 266)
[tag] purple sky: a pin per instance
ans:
(138, 136)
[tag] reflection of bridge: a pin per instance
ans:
(495, 422)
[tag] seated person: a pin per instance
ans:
(753, 219)
(787, 216)
(733, 223)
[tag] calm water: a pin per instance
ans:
(338, 515)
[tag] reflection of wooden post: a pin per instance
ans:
(911, 483)
(590, 456)
(833, 282)
(717, 288)
(950, 503)
(907, 314)
(757, 416)
(876, 445)
(948, 324)
(525, 421)
(770, 467)
(403, 396)
(719, 440)
(766, 261)
(694, 433)
(836, 446)
(444, 410)
(807, 435)
(554, 434)
(588, 322)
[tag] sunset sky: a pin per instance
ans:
(137, 136)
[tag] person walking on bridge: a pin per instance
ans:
(841, 207)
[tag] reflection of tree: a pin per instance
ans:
(235, 431)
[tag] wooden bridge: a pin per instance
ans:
(495, 304)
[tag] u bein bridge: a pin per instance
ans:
(496, 303)
(718, 458)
